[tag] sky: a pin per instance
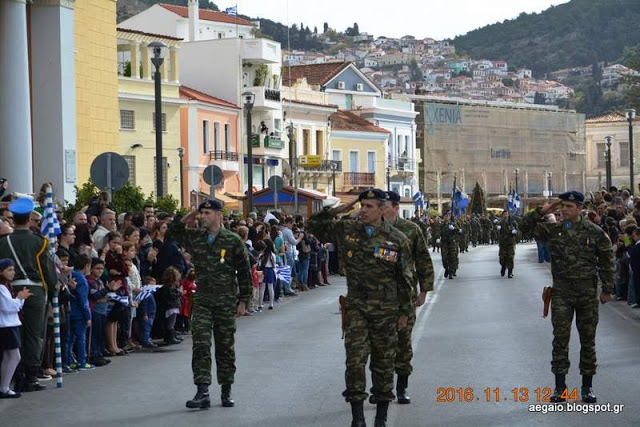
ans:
(438, 19)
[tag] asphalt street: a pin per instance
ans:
(479, 337)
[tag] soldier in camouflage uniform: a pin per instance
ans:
(222, 266)
(507, 232)
(436, 234)
(422, 275)
(449, 245)
(379, 281)
(581, 254)
(486, 230)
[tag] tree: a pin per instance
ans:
(356, 30)
(508, 82)
(477, 202)
(325, 27)
(539, 99)
(315, 30)
(416, 73)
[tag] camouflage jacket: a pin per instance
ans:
(378, 268)
(506, 238)
(448, 235)
(420, 253)
(221, 266)
(35, 256)
(581, 252)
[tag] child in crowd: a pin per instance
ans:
(146, 314)
(117, 270)
(187, 288)
(80, 316)
(129, 255)
(98, 303)
(65, 297)
(169, 301)
(267, 264)
(9, 327)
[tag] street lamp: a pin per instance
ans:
(549, 184)
(180, 156)
(517, 172)
(334, 166)
(249, 97)
(607, 155)
(388, 178)
(631, 115)
(292, 150)
(157, 48)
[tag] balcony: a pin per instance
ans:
(265, 98)
(225, 160)
(268, 141)
(261, 51)
(359, 179)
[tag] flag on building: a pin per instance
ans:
(233, 10)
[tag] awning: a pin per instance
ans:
(330, 201)
(228, 202)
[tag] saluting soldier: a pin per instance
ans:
(507, 232)
(222, 266)
(581, 254)
(449, 245)
(35, 271)
(379, 280)
(422, 275)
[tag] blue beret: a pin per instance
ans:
(373, 194)
(210, 204)
(392, 196)
(22, 206)
(6, 263)
(572, 196)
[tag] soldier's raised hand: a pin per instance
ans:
(549, 208)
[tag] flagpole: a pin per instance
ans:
(51, 236)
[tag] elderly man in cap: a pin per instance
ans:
(379, 266)
(581, 255)
(423, 275)
(222, 266)
(35, 270)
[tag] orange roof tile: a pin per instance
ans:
(208, 15)
(346, 120)
(188, 93)
(316, 74)
(616, 116)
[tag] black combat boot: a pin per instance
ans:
(510, 273)
(357, 415)
(587, 390)
(503, 270)
(381, 414)
(453, 273)
(561, 388)
(446, 273)
(225, 396)
(401, 390)
(201, 399)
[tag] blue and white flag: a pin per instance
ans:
(233, 10)
(513, 202)
(146, 292)
(50, 227)
(418, 199)
(460, 202)
(122, 299)
(283, 272)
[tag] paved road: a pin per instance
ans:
(477, 331)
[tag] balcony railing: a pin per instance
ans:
(223, 155)
(360, 179)
(272, 95)
(269, 141)
(324, 167)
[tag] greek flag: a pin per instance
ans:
(122, 299)
(418, 199)
(283, 272)
(513, 202)
(50, 227)
(233, 10)
(146, 292)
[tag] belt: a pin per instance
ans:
(25, 282)
(375, 295)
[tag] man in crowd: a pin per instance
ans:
(107, 225)
(379, 281)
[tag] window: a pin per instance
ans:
(500, 153)
(601, 156)
(127, 119)
(573, 155)
(205, 137)
(407, 193)
(164, 175)
(131, 162)
(216, 136)
(353, 161)
(164, 122)
(623, 149)
(227, 138)
(371, 162)
(335, 155)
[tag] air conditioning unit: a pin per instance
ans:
(341, 85)
(359, 87)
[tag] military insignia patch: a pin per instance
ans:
(349, 254)
(386, 254)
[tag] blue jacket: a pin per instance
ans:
(80, 309)
(147, 307)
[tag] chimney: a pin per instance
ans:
(194, 20)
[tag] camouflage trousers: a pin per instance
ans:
(449, 253)
(404, 352)
(217, 314)
(506, 255)
(564, 303)
(370, 331)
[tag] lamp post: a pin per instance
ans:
(180, 156)
(334, 166)
(517, 172)
(549, 184)
(157, 60)
(607, 155)
(388, 178)
(249, 97)
(292, 150)
(631, 115)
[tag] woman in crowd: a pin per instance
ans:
(267, 264)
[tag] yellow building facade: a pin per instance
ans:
(136, 105)
(96, 82)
